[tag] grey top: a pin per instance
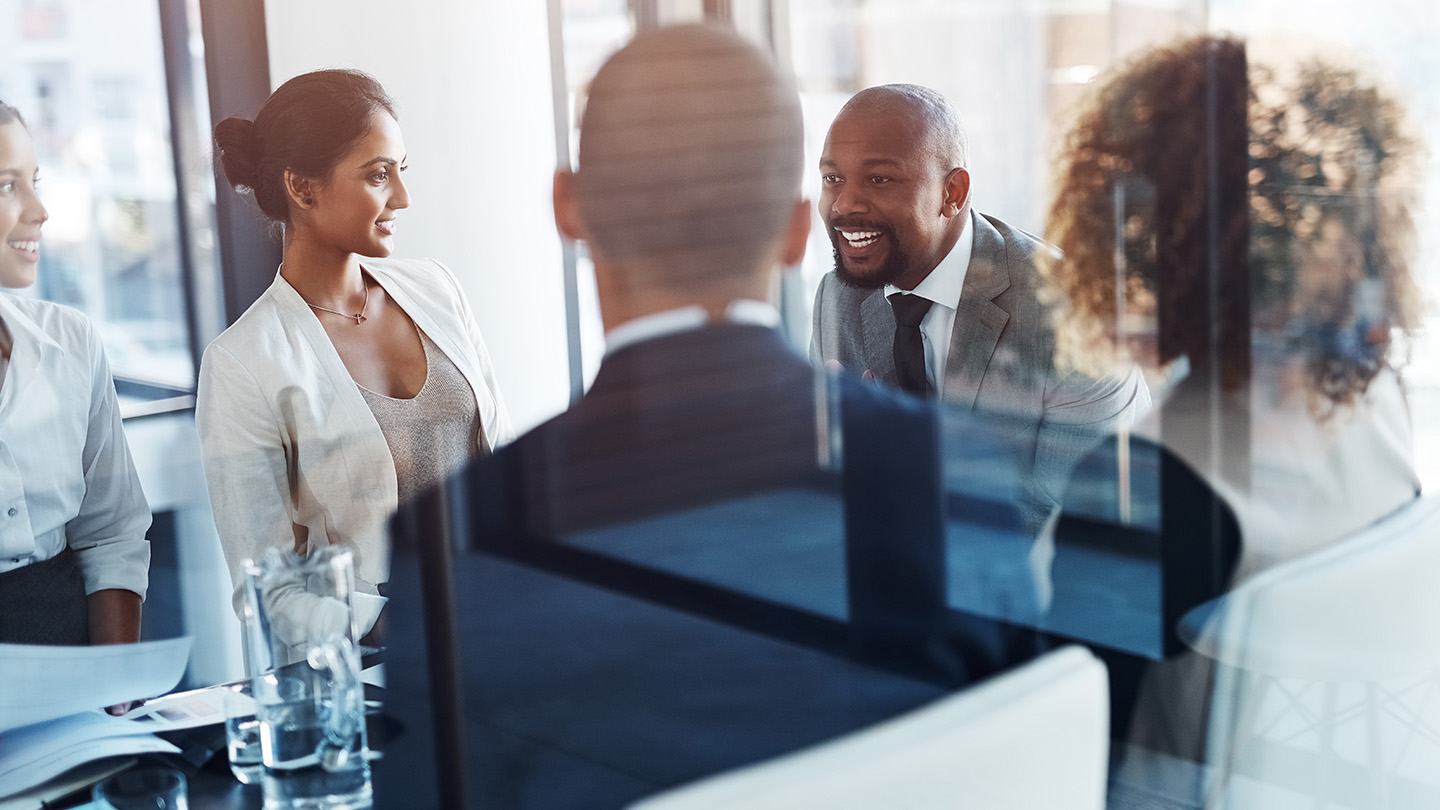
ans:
(433, 433)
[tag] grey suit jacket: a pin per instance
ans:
(1000, 362)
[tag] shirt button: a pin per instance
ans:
(13, 512)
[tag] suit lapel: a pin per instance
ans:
(978, 319)
(877, 337)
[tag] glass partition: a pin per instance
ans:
(1208, 460)
(1248, 226)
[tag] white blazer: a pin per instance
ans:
(293, 456)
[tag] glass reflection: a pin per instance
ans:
(1253, 221)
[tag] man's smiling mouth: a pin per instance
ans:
(860, 239)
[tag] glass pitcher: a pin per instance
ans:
(301, 642)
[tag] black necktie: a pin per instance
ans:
(909, 345)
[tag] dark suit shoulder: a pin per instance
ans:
(670, 423)
(1197, 544)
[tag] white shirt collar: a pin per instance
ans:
(20, 325)
(945, 283)
(683, 319)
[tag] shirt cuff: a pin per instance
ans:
(124, 564)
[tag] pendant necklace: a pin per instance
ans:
(358, 317)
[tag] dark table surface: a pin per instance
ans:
(212, 786)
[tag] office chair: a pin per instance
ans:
(1034, 737)
(1328, 678)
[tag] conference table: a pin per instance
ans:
(617, 663)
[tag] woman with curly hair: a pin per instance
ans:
(1247, 229)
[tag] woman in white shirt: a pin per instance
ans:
(74, 561)
(355, 380)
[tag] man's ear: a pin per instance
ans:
(567, 210)
(300, 189)
(797, 234)
(957, 193)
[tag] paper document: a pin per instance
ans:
(76, 779)
(42, 683)
(40, 751)
(192, 709)
(36, 753)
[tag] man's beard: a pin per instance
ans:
(896, 262)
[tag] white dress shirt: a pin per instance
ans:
(66, 477)
(942, 287)
(683, 319)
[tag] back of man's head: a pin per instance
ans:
(690, 160)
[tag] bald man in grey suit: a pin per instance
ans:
(895, 199)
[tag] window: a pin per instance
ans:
(96, 104)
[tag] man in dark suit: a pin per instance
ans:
(964, 287)
(703, 580)
(687, 196)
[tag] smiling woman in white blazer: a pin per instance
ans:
(353, 380)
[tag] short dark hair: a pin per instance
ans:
(691, 142)
(306, 126)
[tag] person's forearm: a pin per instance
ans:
(114, 616)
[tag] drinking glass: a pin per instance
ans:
(141, 789)
(242, 734)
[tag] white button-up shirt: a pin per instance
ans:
(683, 319)
(942, 287)
(66, 477)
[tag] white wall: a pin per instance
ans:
(472, 82)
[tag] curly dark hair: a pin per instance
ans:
(1269, 192)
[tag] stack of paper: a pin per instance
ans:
(50, 716)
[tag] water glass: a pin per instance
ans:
(301, 636)
(242, 734)
(142, 789)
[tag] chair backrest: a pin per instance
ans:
(1034, 737)
(1364, 609)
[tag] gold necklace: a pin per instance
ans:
(358, 317)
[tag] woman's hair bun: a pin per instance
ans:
(235, 147)
(306, 127)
